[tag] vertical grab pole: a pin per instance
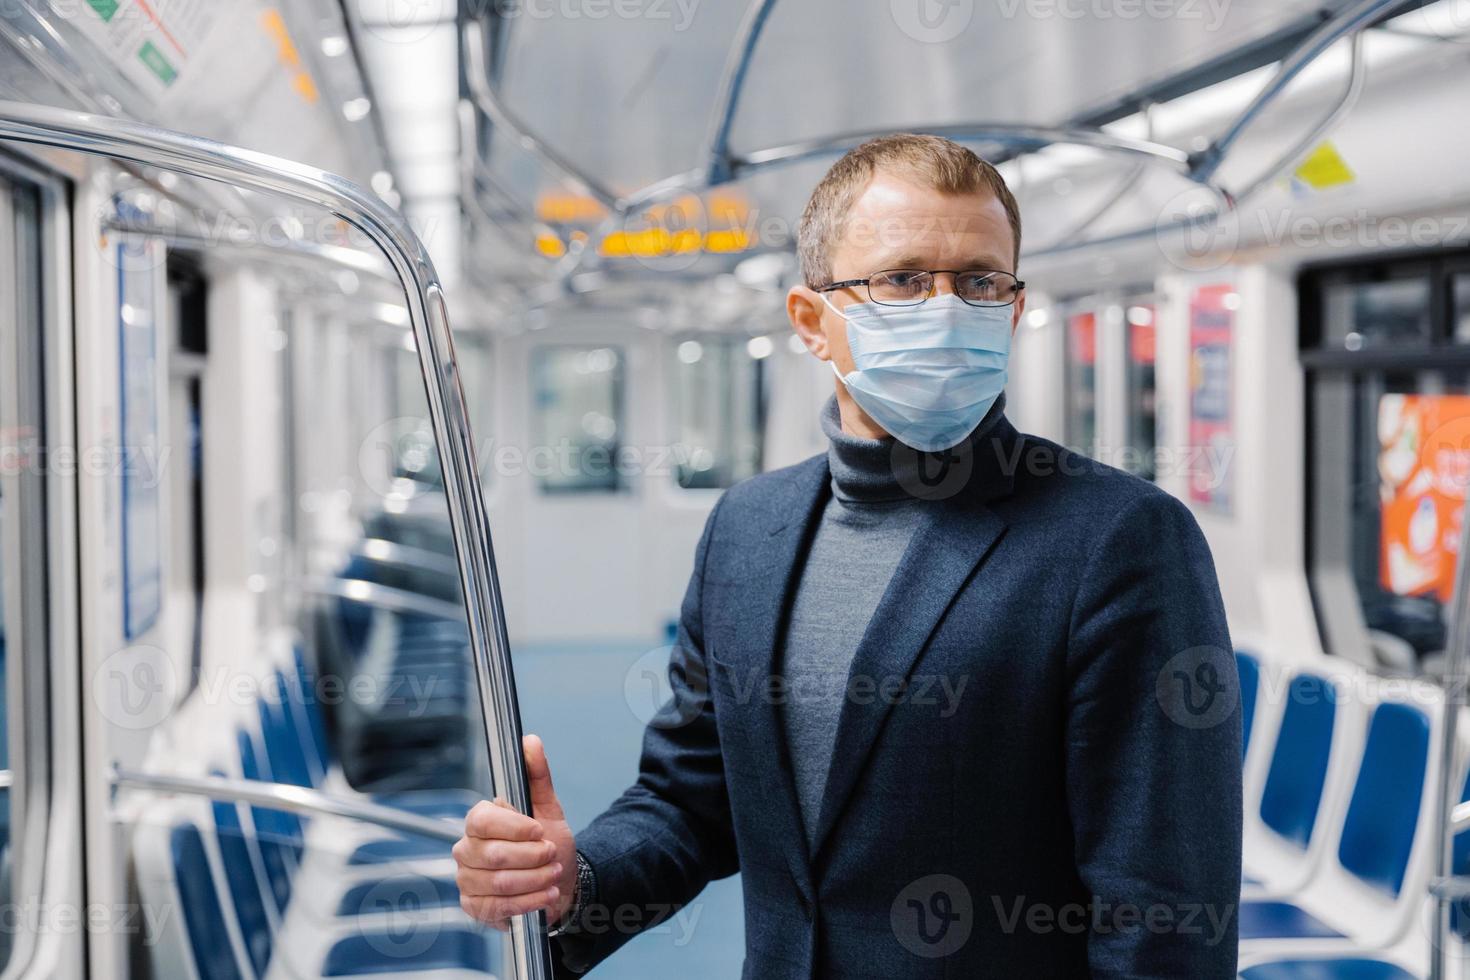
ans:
(1457, 663)
(529, 954)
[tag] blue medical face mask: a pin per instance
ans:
(927, 374)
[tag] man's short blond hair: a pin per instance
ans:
(933, 161)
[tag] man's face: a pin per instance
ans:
(896, 224)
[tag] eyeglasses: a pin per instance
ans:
(911, 287)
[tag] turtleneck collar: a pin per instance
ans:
(871, 471)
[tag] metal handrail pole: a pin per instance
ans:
(196, 156)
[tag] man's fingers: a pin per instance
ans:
(493, 910)
(478, 883)
(489, 821)
(538, 772)
(503, 855)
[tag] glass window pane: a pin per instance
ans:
(1081, 428)
(1393, 515)
(1394, 312)
(578, 395)
(1142, 414)
(1461, 325)
(718, 412)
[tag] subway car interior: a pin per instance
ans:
(303, 303)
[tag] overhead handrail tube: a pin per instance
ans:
(294, 799)
(195, 156)
(1011, 134)
(489, 102)
(338, 256)
(1350, 21)
(732, 84)
(1357, 76)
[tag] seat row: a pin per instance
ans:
(1340, 779)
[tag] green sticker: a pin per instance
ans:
(155, 60)
(105, 8)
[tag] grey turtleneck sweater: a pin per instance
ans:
(864, 531)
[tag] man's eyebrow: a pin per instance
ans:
(989, 263)
(906, 261)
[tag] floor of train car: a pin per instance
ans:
(572, 695)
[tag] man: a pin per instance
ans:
(954, 701)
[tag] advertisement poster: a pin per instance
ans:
(1211, 323)
(1423, 466)
(150, 41)
(142, 537)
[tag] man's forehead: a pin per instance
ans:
(974, 236)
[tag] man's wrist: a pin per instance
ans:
(582, 896)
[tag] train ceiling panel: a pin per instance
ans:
(626, 98)
(280, 78)
(832, 66)
(826, 67)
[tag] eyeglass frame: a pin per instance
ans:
(931, 273)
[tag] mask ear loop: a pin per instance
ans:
(831, 307)
(832, 363)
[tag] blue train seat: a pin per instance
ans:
(204, 915)
(1250, 681)
(1299, 765)
(362, 950)
(1362, 898)
(1295, 779)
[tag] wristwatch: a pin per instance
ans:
(586, 888)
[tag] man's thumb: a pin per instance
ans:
(544, 803)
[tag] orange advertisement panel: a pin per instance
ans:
(1423, 466)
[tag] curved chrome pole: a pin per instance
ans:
(1357, 77)
(477, 75)
(448, 412)
(732, 84)
(1349, 21)
(1011, 134)
(338, 256)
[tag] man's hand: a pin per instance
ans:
(511, 864)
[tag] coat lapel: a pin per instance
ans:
(955, 536)
(777, 563)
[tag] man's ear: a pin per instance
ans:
(1018, 310)
(804, 307)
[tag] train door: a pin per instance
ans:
(39, 869)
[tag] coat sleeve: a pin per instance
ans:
(671, 832)
(1153, 749)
